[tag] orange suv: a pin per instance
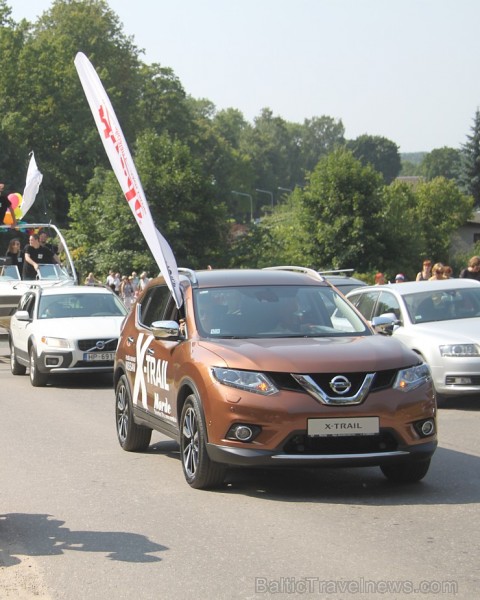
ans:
(270, 368)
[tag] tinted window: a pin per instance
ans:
(365, 303)
(274, 311)
(387, 303)
(154, 304)
(443, 305)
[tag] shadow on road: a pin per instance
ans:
(42, 535)
(452, 479)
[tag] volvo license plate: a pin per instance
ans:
(98, 356)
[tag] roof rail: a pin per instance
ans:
(347, 272)
(305, 270)
(190, 273)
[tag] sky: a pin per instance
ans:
(407, 70)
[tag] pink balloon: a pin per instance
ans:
(14, 200)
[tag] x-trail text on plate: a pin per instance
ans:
(270, 368)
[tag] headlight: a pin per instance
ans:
(460, 350)
(258, 383)
(409, 379)
(55, 342)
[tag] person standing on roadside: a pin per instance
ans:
(437, 272)
(472, 271)
(426, 272)
(110, 281)
(127, 292)
(5, 205)
(117, 281)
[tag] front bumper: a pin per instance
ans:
(71, 362)
(248, 457)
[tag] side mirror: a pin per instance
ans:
(166, 330)
(385, 324)
(22, 315)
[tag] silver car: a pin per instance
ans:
(440, 320)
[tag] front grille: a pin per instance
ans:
(91, 345)
(356, 444)
(382, 380)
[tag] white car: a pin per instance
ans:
(440, 320)
(65, 330)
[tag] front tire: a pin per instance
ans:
(200, 472)
(409, 472)
(15, 366)
(37, 378)
(132, 437)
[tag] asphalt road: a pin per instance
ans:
(82, 519)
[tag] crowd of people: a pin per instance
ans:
(128, 287)
(437, 271)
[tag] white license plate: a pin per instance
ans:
(343, 426)
(98, 356)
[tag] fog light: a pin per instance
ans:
(428, 427)
(53, 361)
(242, 432)
(425, 427)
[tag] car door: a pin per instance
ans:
(153, 390)
(21, 330)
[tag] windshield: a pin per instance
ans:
(53, 271)
(9, 273)
(275, 311)
(443, 305)
(80, 305)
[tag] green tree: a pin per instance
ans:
(441, 162)
(271, 149)
(379, 152)
(180, 203)
(401, 231)
(318, 136)
(441, 209)
(162, 103)
(470, 173)
(46, 110)
(344, 209)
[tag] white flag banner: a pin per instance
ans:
(32, 185)
(124, 168)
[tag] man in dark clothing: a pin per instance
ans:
(35, 255)
(473, 269)
(5, 205)
(44, 243)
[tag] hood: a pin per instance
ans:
(454, 331)
(84, 328)
(301, 355)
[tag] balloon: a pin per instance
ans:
(8, 215)
(15, 199)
